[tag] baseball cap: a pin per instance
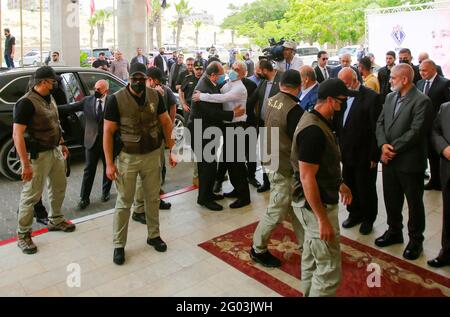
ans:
(46, 72)
(334, 87)
(138, 68)
(290, 44)
(198, 64)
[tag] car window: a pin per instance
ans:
(72, 87)
(89, 79)
(15, 89)
(304, 51)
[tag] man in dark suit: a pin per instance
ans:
(384, 76)
(161, 62)
(405, 57)
(93, 108)
(441, 142)
(402, 132)
(346, 61)
(206, 115)
(424, 56)
(268, 87)
(438, 89)
(322, 70)
(140, 58)
(356, 125)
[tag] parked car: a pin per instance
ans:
(352, 50)
(33, 58)
(308, 54)
(76, 83)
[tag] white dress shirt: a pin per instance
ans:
(324, 71)
(233, 94)
(296, 63)
(430, 81)
(103, 104)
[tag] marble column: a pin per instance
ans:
(131, 27)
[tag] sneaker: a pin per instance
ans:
(139, 217)
(26, 244)
(64, 226)
(164, 205)
(158, 244)
(266, 259)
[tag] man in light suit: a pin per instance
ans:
(93, 108)
(441, 141)
(402, 136)
(438, 89)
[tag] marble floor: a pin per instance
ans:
(185, 270)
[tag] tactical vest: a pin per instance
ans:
(329, 177)
(140, 130)
(45, 128)
(278, 108)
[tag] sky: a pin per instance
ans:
(218, 8)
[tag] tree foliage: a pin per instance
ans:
(331, 21)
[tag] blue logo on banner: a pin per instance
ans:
(398, 35)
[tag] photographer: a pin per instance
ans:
(291, 61)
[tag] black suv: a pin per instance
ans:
(77, 82)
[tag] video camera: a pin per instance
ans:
(275, 51)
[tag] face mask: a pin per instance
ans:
(404, 61)
(233, 75)
(98, 95)
(138, 87)
(221, 79)
(54, 88)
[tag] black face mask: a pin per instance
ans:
(98, 95)
(404, 61)
(138, 87)
(54, 88)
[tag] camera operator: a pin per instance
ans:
(291, 61)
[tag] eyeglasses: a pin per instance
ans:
(324, 58)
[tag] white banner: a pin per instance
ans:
(420, 31)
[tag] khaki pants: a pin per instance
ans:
(280, 205)
(321, 261)
(50, 166)
(148, 168)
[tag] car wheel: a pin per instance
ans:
(178, 129)
(9, 161)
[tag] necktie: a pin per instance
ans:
(325, 74)
(427, 88)
(99, 110)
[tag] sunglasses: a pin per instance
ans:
(340, 100)
(324, 58)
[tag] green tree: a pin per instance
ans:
(173, 25)
(99, 19)
(197, 26)
(182, 8)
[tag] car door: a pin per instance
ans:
(89, 79)
(71, 91)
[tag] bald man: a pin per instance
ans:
(438, 89)
(423, 56)
(93, 108)
(356, 126)
(310, 88)
(402, 135)
(346, 61)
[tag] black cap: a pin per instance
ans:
(291, 78)
(334, 87)
(46, 72)
(198, 64)
(138, 68)
(155, 73)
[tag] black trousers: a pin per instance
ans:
(435, 161)
(236, 170)
(397, 185)
(92, 157)
(363, 184)
(445, 252)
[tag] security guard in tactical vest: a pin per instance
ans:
(140, 116)
(42, 155)
(283, 113)
(316, 160)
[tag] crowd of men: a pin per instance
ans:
(335, 126)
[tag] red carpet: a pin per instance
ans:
(398, 278)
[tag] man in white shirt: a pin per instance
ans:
(234, 94)
(291, 61)
(322, 70)
(56, 60)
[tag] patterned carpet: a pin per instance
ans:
(398, 278)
